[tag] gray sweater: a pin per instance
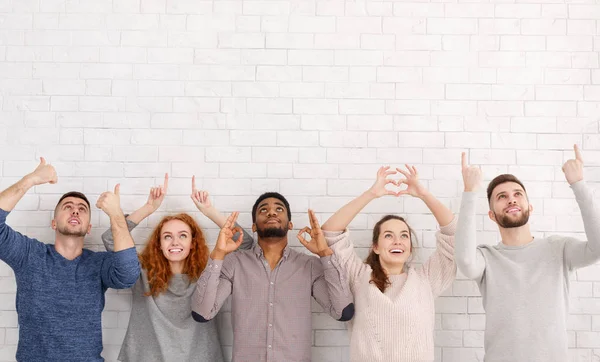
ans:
(161, 328)
(525, 289)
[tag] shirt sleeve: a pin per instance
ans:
(331, 289)
(212, 288)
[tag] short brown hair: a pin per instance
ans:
(498, 180)
(75, 194)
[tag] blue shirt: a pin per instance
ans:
(60, 301)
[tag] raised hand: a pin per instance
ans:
(110, 202)
(411, 180)
(573, 168)
(44, 173)
(316, 244)
(157, 194)
(200, 198)
(225, 242)
(378, 189)
(472, 175)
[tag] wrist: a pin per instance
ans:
(370, 194)
(325, 252)
(217, 254)
(116, 215)
(30, 180)
(424, 194)
(148, 209)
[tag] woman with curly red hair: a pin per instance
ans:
(161, 327)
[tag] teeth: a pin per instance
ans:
(397, 251)
(176, 250)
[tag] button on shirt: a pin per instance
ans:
(271, 309)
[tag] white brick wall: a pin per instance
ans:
(307, 98)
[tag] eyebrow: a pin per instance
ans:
(78, 204)
(179, 232)
(503, 192)
(390, 231)
(276, 203)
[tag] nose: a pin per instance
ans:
(271, 212)
(75, 212)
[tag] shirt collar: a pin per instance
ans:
(259, 252)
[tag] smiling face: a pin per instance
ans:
(271, 219)
(393, 244)
(175, 240)
(72, 217)
(509, 206)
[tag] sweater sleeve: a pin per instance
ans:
(343, 249)
(14, 246)
(107, 236)
(120, 269)
(440, 268)
(579, 254)
(247, 240)
(213, 287)
(469, 258)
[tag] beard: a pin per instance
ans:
(271, 232)
(64, 230)
(506, 222)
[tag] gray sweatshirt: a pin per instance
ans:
(525, 289)
(161, 328)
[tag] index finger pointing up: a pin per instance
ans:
(464, 160)
(166, 183)
(578, 156)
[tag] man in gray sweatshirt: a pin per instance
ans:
(524, 281)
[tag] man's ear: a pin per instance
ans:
(53, 224)
(253, 228)
(290, 225)
(89, 229)
(492, 216)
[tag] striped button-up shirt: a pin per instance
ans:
(271, 309)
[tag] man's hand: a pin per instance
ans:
(317, 244)
(225, 243)
(573, 168)
(43, 174)
(472, 175)
(110, 202)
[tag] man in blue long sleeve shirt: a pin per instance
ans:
(60, 287)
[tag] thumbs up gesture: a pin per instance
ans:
(573, 168)
(110, 202)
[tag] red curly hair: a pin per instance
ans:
(156, 264)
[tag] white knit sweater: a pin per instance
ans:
(399, 329)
